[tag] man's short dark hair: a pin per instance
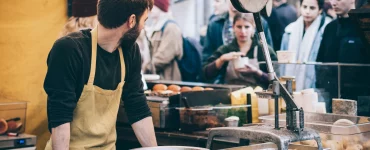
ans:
(114, 13)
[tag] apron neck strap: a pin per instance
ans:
(94, 45)
(123, 66)
(255, 52)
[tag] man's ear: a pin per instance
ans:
(132, 21)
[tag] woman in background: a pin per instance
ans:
(83, 16)
(244, 44)
(304, 37)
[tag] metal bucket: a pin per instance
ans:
(171, 148)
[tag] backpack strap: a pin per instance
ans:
(164, 27)
(165, 24)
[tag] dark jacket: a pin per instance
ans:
(342, 43)
(211, 74)
(214, 40)
(286, 14)
(280, 17)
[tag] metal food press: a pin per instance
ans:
(282, 136)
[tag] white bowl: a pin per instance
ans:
(286, 56)
(240, 62)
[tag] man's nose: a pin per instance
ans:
(333, 2)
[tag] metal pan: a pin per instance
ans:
(170, 148)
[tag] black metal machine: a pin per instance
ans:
(294, 130)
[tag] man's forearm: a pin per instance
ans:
(60, 137)
(144, 131)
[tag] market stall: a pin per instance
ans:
(281, 117)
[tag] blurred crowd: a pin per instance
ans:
(317, 30)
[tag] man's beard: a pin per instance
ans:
(129, 38)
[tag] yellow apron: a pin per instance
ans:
(94, 118)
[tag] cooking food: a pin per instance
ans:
(309, 142)
(350, 140)
(366, 145)
(3, 126)
(333, 145)
(185, 89)
(355, 147)
(323, 137)
(174, 88)
(166, 93)
(213, 121)
(193, 119)
(208, 89)
(14, 126)
(148, 93)
(159, 87)
(198, 88)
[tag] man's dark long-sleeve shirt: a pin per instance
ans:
(68, 71)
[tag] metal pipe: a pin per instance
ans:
(276, 92)
(249, 114)
(266, 52)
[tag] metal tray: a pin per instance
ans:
(192, 84)
(324, 123)
(170, 148)
(271, 146)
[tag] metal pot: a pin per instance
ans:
(171, 148)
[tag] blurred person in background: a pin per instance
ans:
(166, 45)
(304, 37)
(246, 44)
(143, 44)
(83, 16)
(341, 39)
(282, 14)
(328, 9)
(286, 13)
(220, 32)
(342, 43)
(360, 3)
(219, 7)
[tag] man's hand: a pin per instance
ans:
(60, 137)
(144, 131)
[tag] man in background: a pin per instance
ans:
(342, 43)
(166, 45)
(281, 16)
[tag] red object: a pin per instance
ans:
(162, 4)
(84, 8)
(12, 134)
(3, 126)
